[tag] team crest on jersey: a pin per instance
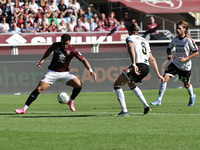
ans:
(61, 58)
(68, 52)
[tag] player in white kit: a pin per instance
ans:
(140, 54)
(181, 64)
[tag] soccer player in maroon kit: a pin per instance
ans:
(58, 69)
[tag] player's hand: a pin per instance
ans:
(161, 78)
(181, 59)
(170, 57)
(39, 64)
(93, 74)
(136, 70)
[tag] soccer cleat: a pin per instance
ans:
(192, 100)
(156, 103)
(71, 105)
(147, 110)
(20, 111)
(122, 114)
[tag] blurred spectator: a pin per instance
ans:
(54, 17)
(46, 9)
(71, 25)
(54, 7)
(42, 3)
(43, 19)
(14, 29)
(62, 8)
(44, 27)
(76, 5)
(35, 26)
(52, 27)
(93, 25)
(27, 28)
(60, 18)
(122, 26)
(26, 14)
(4, 27)
(39, 14)
(80, 13)
(8, 11)
(110, 25)
(33, 7)
(17, 9)
(127, 20)
(111, 17)
(79, 27)
(25, 5)
(30, 19)
(100, 27)
(1, 12)
(62, 27)
(151, 24)
(104, 20)
(85, 23)
(95, 15)
(88, 13)
(20, 20)
(70, 15)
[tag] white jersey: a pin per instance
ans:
(184, 47)
(142, 48)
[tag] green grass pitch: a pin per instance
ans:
(48, 125)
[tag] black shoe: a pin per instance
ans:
(147, 110)
(122, 114)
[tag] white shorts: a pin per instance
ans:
(53, 76)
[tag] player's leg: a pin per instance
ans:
(185, 78)
(140, 96)
(170, 71)
(40, 88)
(119, 83)
(77, 86)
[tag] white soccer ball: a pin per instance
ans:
(63, 98)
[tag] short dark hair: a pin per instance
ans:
(133, 28)
(66, 37)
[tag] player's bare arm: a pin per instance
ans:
(131, 52)
(87, 65)
(153, 62)
(194, 54)
(169, 55)
(46, 54)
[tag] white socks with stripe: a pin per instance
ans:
(121, 99)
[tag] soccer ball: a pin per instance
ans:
(63, 98)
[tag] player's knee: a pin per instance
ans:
(187, 85)
(132, 87)
(117, 87)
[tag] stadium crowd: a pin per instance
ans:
(32, 16)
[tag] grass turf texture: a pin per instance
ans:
(49, 125)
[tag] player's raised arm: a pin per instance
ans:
(87, 65)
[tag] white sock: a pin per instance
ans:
(141, 97)
(190, 91)
(25, 107)
(121, 99)
(162, 89)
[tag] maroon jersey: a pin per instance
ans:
(62, 57)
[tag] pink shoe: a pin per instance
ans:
(20, 111)
(71, 105)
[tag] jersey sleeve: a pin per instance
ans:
(171, 44)
(192, 45)
(128, 39)
(78, 55)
